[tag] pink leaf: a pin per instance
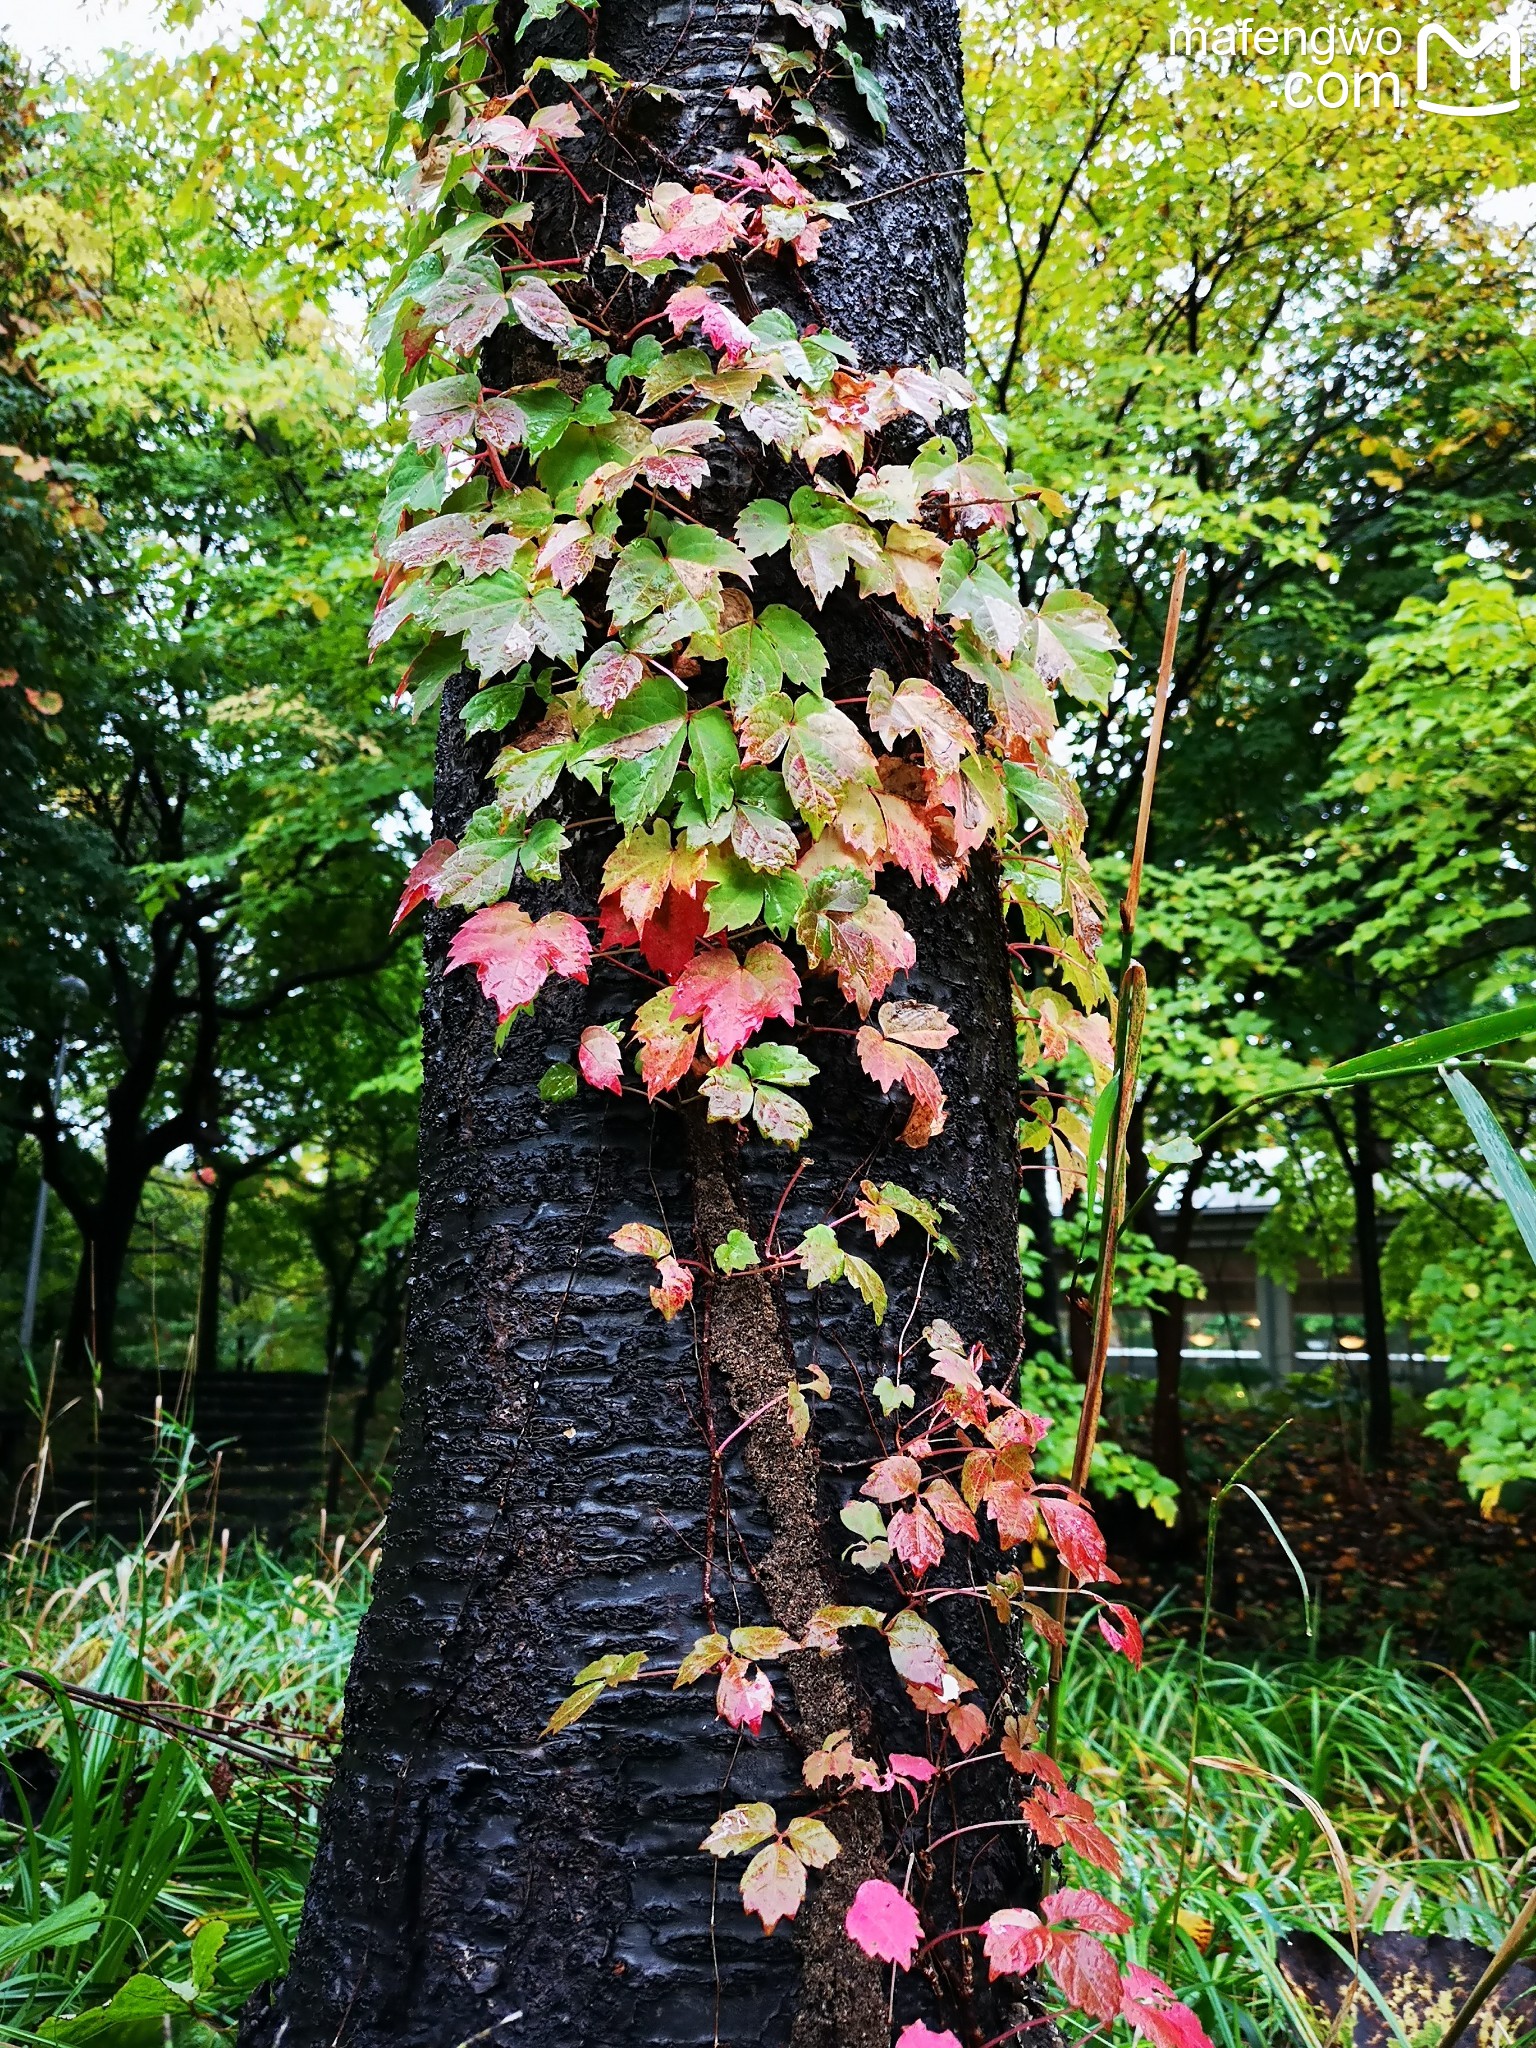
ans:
(600, 1060)
(1015, 1942)
(916, 1649)
(947, 1506)
(514, 957)
(736, 998)
(1086, 1973)
(917, 1769)
(677, 222)
(740, 1698)
(773, 1885)
(1077, 1539)
(722, 328)
(1157, 2015)
(893, 1479)
(916, 2035)
(883, 1923)
(1121, 1630)
(419, 882)
(1087, 1909)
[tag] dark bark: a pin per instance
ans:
(555, 1497)
(1378, 1360)
(210, 1279)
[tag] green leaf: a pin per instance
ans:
(892, 1395)
(783, 897)
(558, 1082)
(738, 1254)
(714, 758)
(1434, 1048)
(865, 1281)
(639, 788)
(784, 1065)
(206, 1944)
(821, 1255)
(797, 644)
(763, 527)
(1504, 1162)
(736, 900)
(64, 1926)
(493, 709)
(864, 1519)
(867, 86)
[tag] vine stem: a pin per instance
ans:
(1132, 897)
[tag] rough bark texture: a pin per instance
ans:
(553, 1500)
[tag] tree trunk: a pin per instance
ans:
(1378, 1360)
(106, 1235)
(210, 1278)
(556, 1498)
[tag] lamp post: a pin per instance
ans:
(73, 989)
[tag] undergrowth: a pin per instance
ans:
(1427, 1777)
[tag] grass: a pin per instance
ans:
(173, 1867)
(152, 1844)
(1427, 1779)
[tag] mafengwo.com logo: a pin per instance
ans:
(1347, 63)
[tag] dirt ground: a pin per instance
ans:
(1405, 1549)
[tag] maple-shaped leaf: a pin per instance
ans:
(599, 1059)
(741, 1829)
(736, 998)
(1121, 1630)
(773, 1885)
(884, 1923)
(674, 1289)
(1015, 1942)
(419, 883)
(750, 101)
(1079, 1543)
(1033, 1763)
(1156, 2015)
(517, 141)
(514, 956)
(1086, 1973)
(915, 706)
(677, 222)
(916, 2035)
(892, 1479)
(1087, 1909)
(968, 1725)
(430, 542)
(1075, 646)
(642, 867)
(723, 329)
(916, 1538)
(743, 1696)
(705, 1656)
(442, 412)
(666, 1046)
(671, 938)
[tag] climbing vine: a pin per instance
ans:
(553, 537)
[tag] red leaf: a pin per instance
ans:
(1157, 2015)
(868, 948)
(1033, 1763)
(1077, 1539)
(1086, 1972)
(671, 938)
(883, 1923)
(736, 998)
(1015, 1942)
(418, 883)
(968, 1725)
(514, 957)
(950, 1509)
(600, 1060)
(1087, 1909)
(671, 1296)
(773, 1885)
(1121, 1630)
(742, 1697)
(916, 1539)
